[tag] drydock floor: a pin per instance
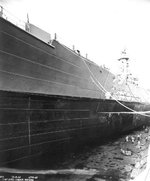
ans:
(123, 159)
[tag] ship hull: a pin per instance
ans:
(52, 97)
(33, 124)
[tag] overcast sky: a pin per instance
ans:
(101, 28)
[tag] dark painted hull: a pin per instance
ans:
(48, 99)
(32, 124)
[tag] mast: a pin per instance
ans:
(125, 72)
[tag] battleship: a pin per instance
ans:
(53, 99)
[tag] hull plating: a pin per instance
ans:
(48, 98)
(32, 124)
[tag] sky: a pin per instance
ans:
(100, 28)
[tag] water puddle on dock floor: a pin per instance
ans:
(123, 159)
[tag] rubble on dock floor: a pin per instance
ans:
(121, 159)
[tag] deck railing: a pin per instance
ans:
(13, 19)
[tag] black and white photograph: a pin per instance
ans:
(74, 90)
